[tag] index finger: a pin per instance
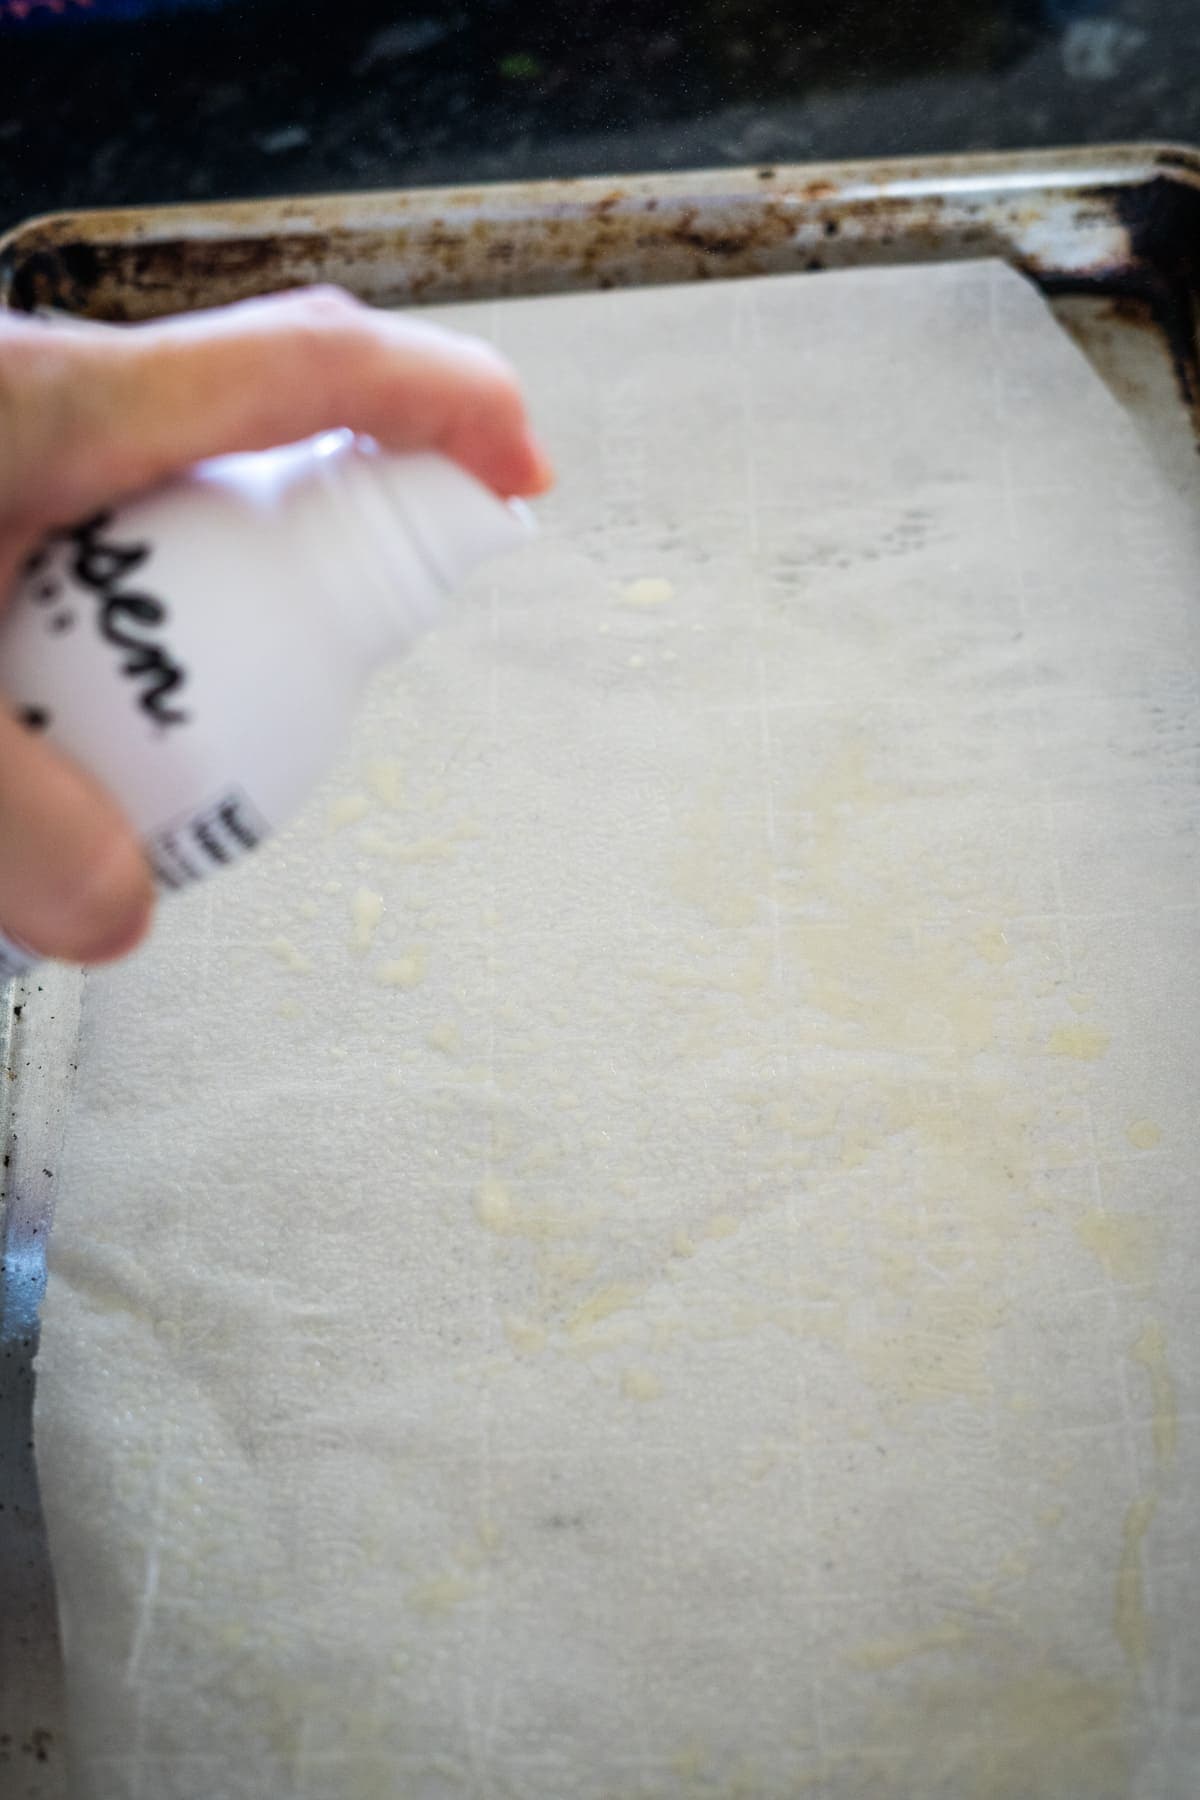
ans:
(90, 415)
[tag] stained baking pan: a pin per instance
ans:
(1112, 236)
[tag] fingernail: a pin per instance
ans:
(542, 476)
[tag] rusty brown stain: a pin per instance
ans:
(710, 243)
(143, 264)
(1160, 270)
(445, 257)
(1178, 156)
(38, 1744)
(1126, 309)
(1111, 319)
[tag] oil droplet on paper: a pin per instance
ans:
(386, 780)
(440, 1594)
(498, 1211)
(1143, 1134)
(348, 810)
(1150, 1350)
(690, 1764)
(402, 971)
(889, 1653)
(284, 951)
(1125, 1244)
(992, 944)
(1130, 1620)
(443, 1037)
(1084, 1043)
(494, 1206)
(641, 1384)
(367, 910)
(603, 1305)
(526, 1336)
(650, 590)
(1047, 1732)
(488, 1533)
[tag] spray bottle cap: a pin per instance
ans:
(455, 521)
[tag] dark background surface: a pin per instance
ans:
(257, 97)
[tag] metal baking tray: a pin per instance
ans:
(1111, 235)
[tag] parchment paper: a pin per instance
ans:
(648, 1247)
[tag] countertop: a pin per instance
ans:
(263, 98)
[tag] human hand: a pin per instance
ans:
(90, 414)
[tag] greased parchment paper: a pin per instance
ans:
(648, 1248)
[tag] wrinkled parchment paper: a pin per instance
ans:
(648, 1248)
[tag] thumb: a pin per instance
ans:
(73, 880)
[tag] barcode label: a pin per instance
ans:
(210, 838)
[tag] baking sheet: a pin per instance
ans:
(695, 1299)
(1109, 220)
